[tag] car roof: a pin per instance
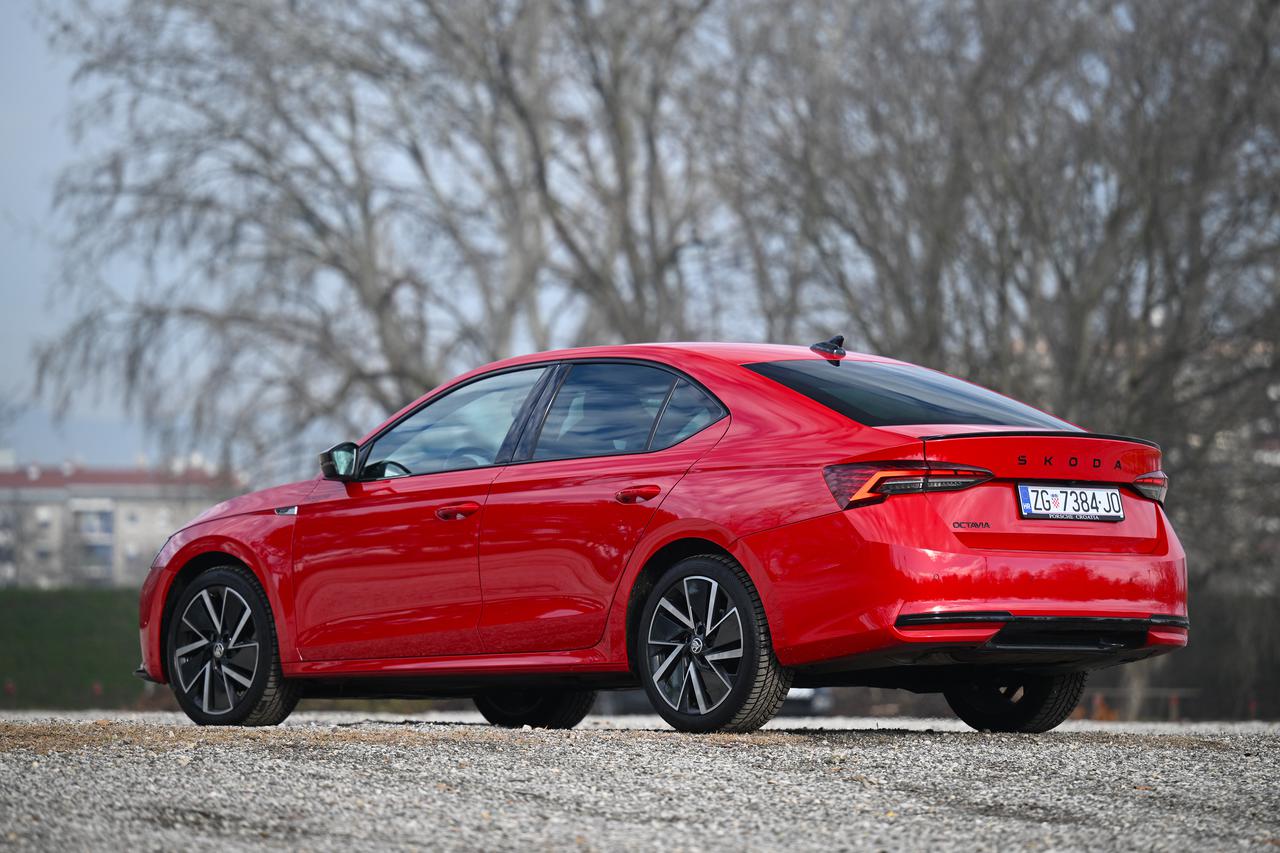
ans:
(734, 353)
(675, 353)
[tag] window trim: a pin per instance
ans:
(531, 430)
(524, 454)
(662, 410)
(524, 426)
(504, 450)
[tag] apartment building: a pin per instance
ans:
(80, 526)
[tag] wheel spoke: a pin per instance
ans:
(208, 678)
(684, 684)
(191, 647)
(670, 608)
(712, 629)
(244, 656)
(719, 675)
(235, 635)
(661, 670)
(208, 603)
(727, 654)
(697, 688)
(231, 697)
(715, 685)
(222, 610)
(711, 604)
(186, 621)
(186, 683)
(688, 602)
(728, 637)
(236, 676)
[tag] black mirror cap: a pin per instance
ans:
(339, 461)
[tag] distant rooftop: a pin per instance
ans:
(69, 476)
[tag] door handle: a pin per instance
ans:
(458, 511)
(637, 494)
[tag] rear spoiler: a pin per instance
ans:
(1039, 432)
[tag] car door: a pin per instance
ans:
(563, 519)
(386, 566)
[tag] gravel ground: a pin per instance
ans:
(333, 781)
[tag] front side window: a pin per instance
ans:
(465, 428)
(603, 410)
(883, 394)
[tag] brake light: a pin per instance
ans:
(1154, 485)
(863, 483)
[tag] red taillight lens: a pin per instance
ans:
(863, 483)
(1154, 485)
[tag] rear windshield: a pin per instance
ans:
(879, 394)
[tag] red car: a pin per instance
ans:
(717, 522)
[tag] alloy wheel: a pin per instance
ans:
(695, 645)
(215, 656)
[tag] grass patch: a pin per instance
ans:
(72, 648)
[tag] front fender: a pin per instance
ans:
(262, 541)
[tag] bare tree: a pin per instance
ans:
(1076, 204)
(338, 204)
(10, 410)
(596, 92)
(304, 262)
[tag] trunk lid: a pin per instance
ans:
(987, 516)
(1082, 457)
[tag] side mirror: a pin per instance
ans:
(339, 461)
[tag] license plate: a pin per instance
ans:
(1070, 503)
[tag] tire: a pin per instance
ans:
(540, 709)
(228, 672)
(712, 672)
(1017, 702)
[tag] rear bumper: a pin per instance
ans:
(1084, 641)
(853, 590)
(943, 652)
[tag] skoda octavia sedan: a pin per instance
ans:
(715, 522)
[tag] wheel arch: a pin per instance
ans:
(664, 558)
(193, 566)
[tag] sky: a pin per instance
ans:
(34, 146)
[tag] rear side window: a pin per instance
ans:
(879, 394)
(602, 410)
(689, 411)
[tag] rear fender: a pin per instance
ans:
(659, 536)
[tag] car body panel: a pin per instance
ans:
(541, 578)
(555, 540)
(260, 539)
(853, 573)
(378, 574)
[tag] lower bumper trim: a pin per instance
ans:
(922, 620)
(141, 672)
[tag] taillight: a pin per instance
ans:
(1154, 485)
(864, 483)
